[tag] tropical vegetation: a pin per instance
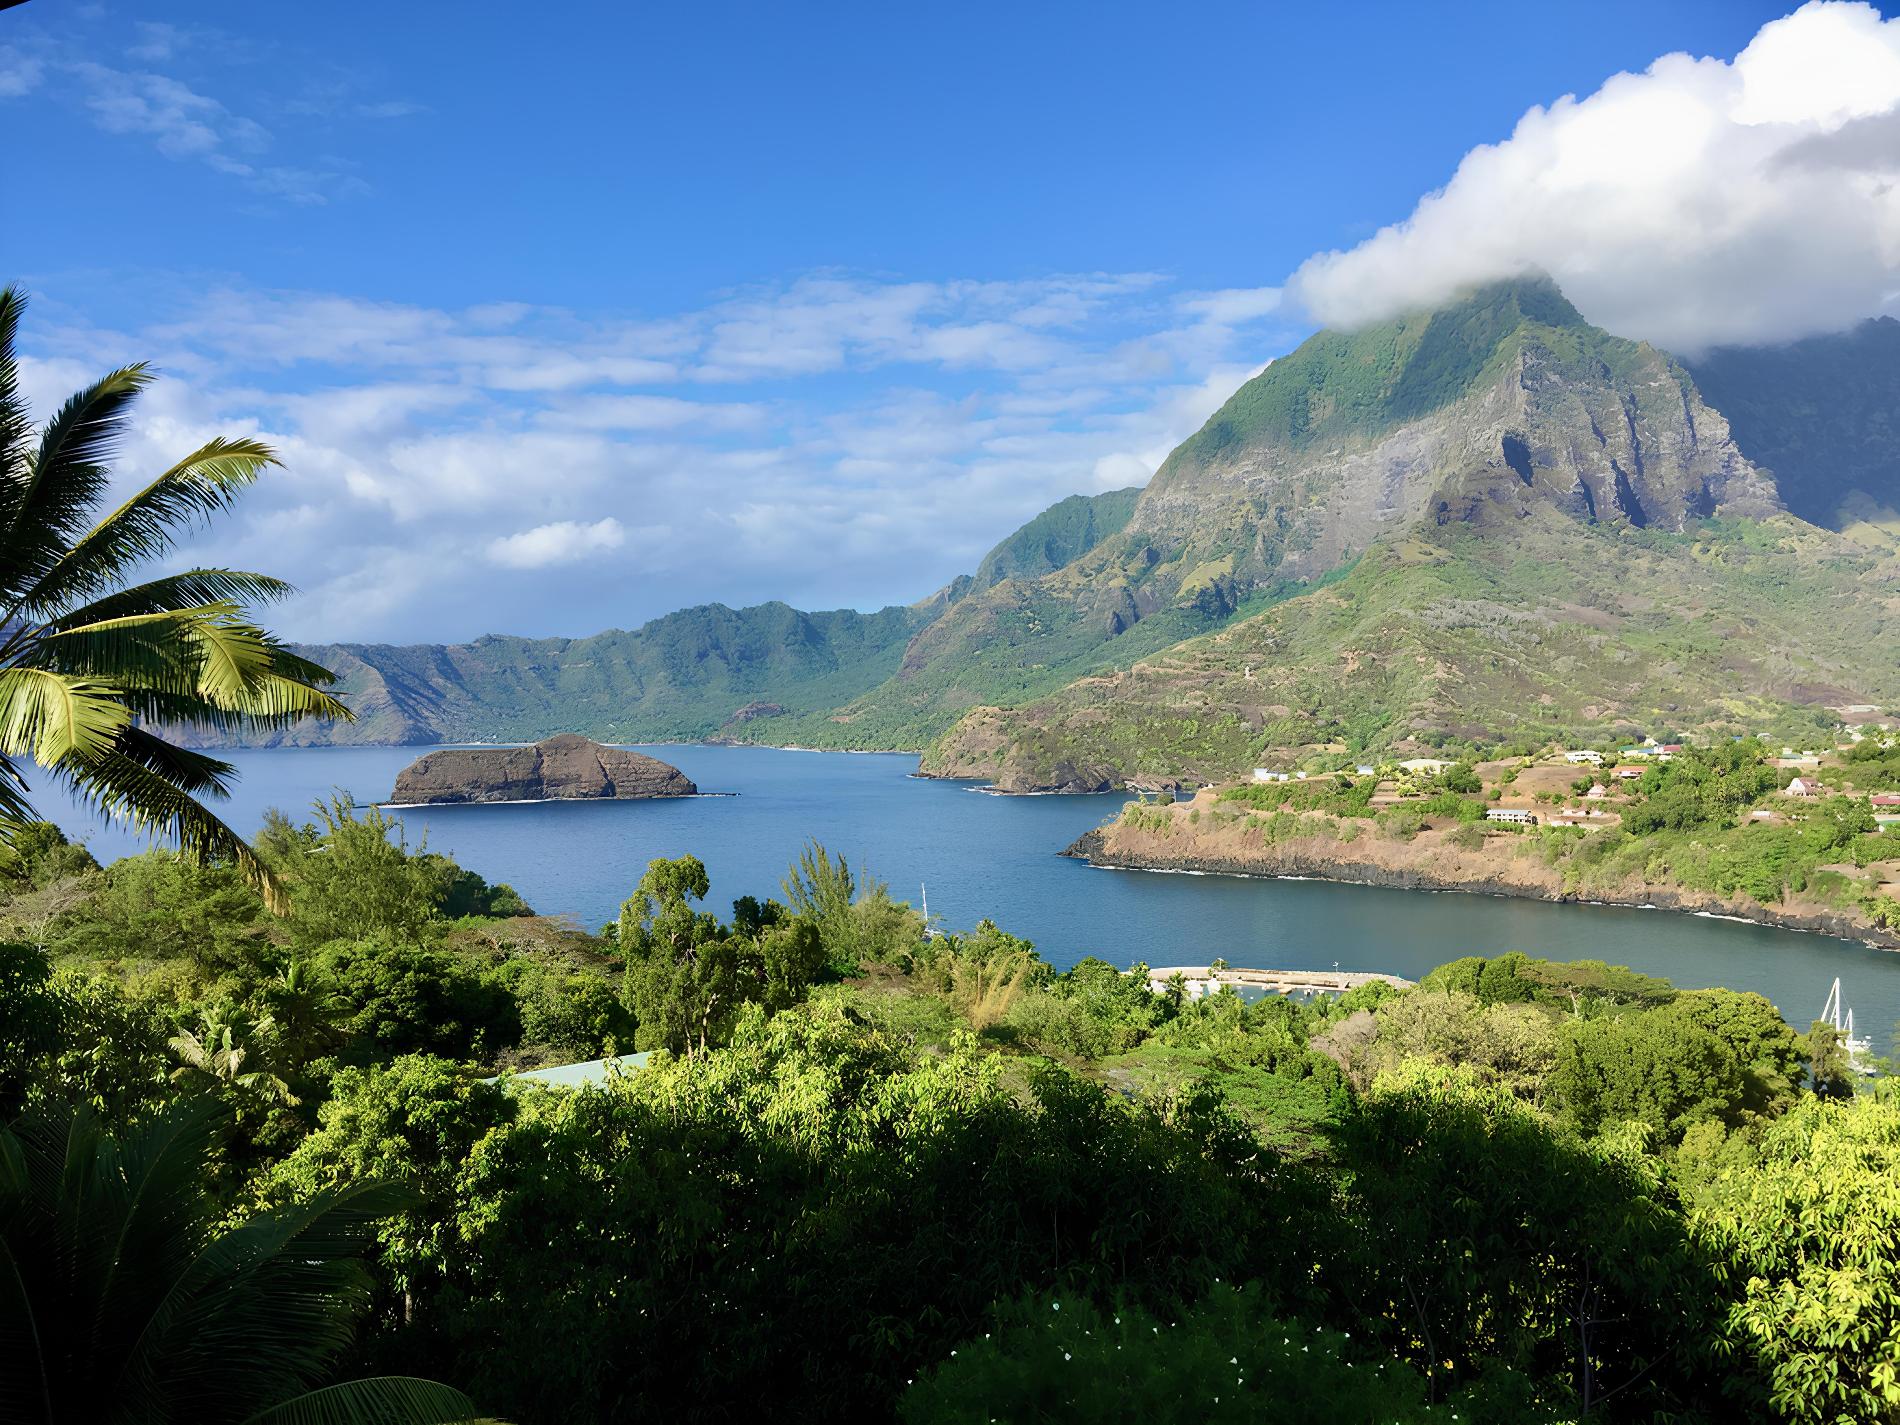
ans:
(97, 662)
(868, 1168)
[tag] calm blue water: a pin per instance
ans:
(995, 856)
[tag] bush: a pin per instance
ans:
(575, 1014)
(1059, 1357)
(403, 999)
(38, 855)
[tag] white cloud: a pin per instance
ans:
(1233, 305)
(1704, 201)
(560, 543)
(832, 440)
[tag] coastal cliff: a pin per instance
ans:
(563, 768)
(1504, 864)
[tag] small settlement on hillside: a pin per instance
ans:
(1811, 831)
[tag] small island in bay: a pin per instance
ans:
(567, 767)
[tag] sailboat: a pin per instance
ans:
(1860, 1048)
(929, 934)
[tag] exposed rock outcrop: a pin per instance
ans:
(563, 768)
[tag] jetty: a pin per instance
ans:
(1206, 980)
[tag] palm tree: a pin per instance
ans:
(90, 662)
(124, 1299)
(220, 1048)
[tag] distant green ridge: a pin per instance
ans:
(1341, 384)
(1823, 414)
(1059, 535)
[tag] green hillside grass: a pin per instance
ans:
(1565, 631)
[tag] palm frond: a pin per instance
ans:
(119, 786)
(140, 650)
(190, 771)
(380, 1400)
(16, 426)
(197, 660)
(233, 656)
(120, 1297)
(51, 716)
(204, 483)
(263, 1308)
(15, 809)
(83, 661)
(25, 1392)
(191, 589)
(289, 665)
(52, 504)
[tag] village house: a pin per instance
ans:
(1580, 816)
(1803, 787)
(1268, 774)
(1885, 799)
(1584, 756)
(1511, 816)
(1628, 774)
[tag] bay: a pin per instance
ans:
(982, 855)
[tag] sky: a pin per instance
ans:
(561, 318)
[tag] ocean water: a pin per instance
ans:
(981, 855)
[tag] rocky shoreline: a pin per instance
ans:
(1321, 859)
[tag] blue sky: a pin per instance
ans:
(567, 316)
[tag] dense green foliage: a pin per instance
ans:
(126, 1301)
(878, 1173)
(1227, 1358)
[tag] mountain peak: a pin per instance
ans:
(1341, 384)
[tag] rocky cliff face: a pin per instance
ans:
(1477, 414)
(563, 768)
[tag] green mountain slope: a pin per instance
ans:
(1347, 385)
(1824, 415)
(1491, 520)
(770, 672)
(1503, 407)
(682, 677)
(1059, 535)
(1450, 635)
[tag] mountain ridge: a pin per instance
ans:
(1452, 454)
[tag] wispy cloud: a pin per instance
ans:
(161, 86)
(20, 73)
(836, 439)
